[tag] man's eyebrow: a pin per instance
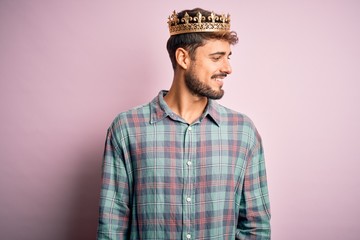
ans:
(219, 53)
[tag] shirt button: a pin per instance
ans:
(188, 236)
(189, 163)
(189, 128)
(188, 199)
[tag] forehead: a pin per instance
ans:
(213, 46)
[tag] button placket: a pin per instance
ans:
(189, 178)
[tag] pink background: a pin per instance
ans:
(68, 67)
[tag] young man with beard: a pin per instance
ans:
(183, 166)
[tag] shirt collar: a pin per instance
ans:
(160, 110)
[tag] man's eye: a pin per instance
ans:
(216, 58)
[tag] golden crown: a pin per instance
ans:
(198, 23)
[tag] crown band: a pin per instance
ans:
(198, 23)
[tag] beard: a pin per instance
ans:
(199, 88)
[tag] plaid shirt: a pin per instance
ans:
(166, 179)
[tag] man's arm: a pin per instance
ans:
(254, 213)
(114, 212)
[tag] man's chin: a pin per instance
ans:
(216, 95)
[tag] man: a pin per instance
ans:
(183, 166)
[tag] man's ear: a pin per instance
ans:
(182, 58)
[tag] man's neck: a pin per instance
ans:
(185, 104)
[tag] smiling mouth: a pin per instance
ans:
(219, 77)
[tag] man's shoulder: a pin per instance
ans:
(132, 117)
(237, 122)
(231, 116)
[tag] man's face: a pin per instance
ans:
(205, 76)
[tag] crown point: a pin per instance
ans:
(199, 17)
(173, 19)
(213, 18)
(186, 18)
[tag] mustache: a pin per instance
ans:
(219, 75)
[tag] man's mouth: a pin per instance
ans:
(219, 77)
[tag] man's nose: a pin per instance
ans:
(226, 67)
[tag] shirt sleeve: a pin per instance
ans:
(114, 210)
(254, 212)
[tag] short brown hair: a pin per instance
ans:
(191, 41)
